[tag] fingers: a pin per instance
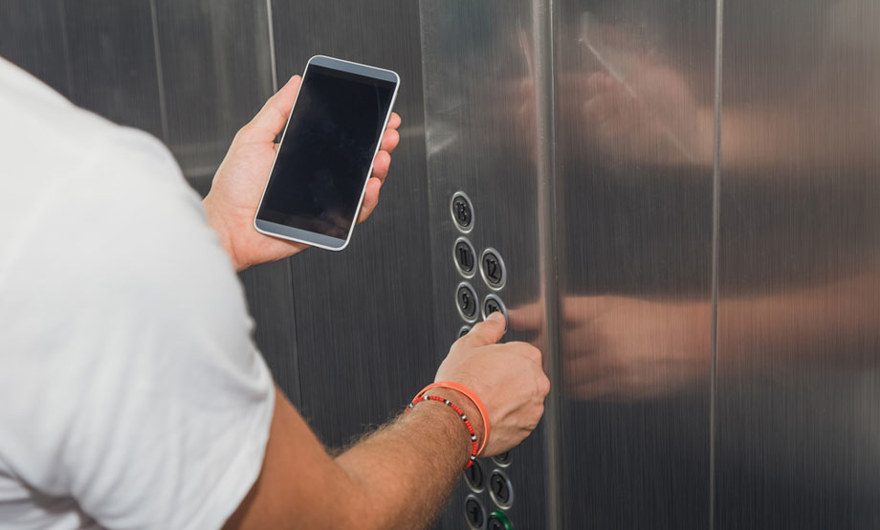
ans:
(390, 139)
(270, 121)
(487, 332)
(394, 121)
(381, 164)
(371, 199)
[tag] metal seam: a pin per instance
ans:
(716, 229)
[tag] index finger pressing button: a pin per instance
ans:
(493, 303)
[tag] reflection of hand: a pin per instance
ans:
(628, 348)
(507, 377)
(236, 189)
(653, 118)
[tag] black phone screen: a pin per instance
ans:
(326, 151)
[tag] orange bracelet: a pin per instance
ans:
(468, 393)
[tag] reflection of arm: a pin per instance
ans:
(838, 320)
(828, 123)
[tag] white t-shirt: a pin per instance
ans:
(131, 393)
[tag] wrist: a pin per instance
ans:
(470, 410)
(220, 227)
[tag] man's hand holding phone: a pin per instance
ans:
(235, 191)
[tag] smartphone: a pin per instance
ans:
(322, 165)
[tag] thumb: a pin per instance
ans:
(270, 121)
(487, 332)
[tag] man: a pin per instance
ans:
(131, 394)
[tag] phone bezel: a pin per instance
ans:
(308, 237)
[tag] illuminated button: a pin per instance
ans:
(499, 521)
(465, 257)
(500, 489)
(463, 331)
(492, 269)
(462, 211)
(502, 460)
(475, 477)
(492, 304)
(474, 513)
(466, 301)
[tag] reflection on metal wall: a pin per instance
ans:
(798, 344)
(634, 212)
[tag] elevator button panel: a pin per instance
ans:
(466, 301)
(492, 269)
(499, 521)
(462, 212)
(474, 513)
(491, 304)
(502, 460)
(486, 480)
(475, 477)
(500, 489)
(465, 257)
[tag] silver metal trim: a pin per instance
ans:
(500, 304)
(160, 81)
(485, 514)
(470, 245)
(503, 464)
(464, 317)
(500, 263)
(503, 506)
(464, 330)
(485, 479)
(463, 195)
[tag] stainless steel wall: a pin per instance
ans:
(482, 138)
(798, 337)
(634, 219)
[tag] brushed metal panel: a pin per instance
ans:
(798, 342)
(481, 124)
(216, 74)
(634, 218)
(364, 316)
(32, 35)
(113, 62)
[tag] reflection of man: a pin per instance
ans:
(131, 394)
(796, 134)
(637, 116)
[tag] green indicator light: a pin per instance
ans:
(499, 521)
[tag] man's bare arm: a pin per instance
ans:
(399, 476)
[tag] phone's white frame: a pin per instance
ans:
(314, 238)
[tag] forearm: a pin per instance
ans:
(398, 477)
(404, 472)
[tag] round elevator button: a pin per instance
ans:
(463, 331)
(465, 257)
(462, 211)
(502, 460)
(492, 304)
(466, 301)
(475, 477)
(492, 269)
(499, 521)
(474, 513)
(500, 489)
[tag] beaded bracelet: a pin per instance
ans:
(461, 414)
(468, 393)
